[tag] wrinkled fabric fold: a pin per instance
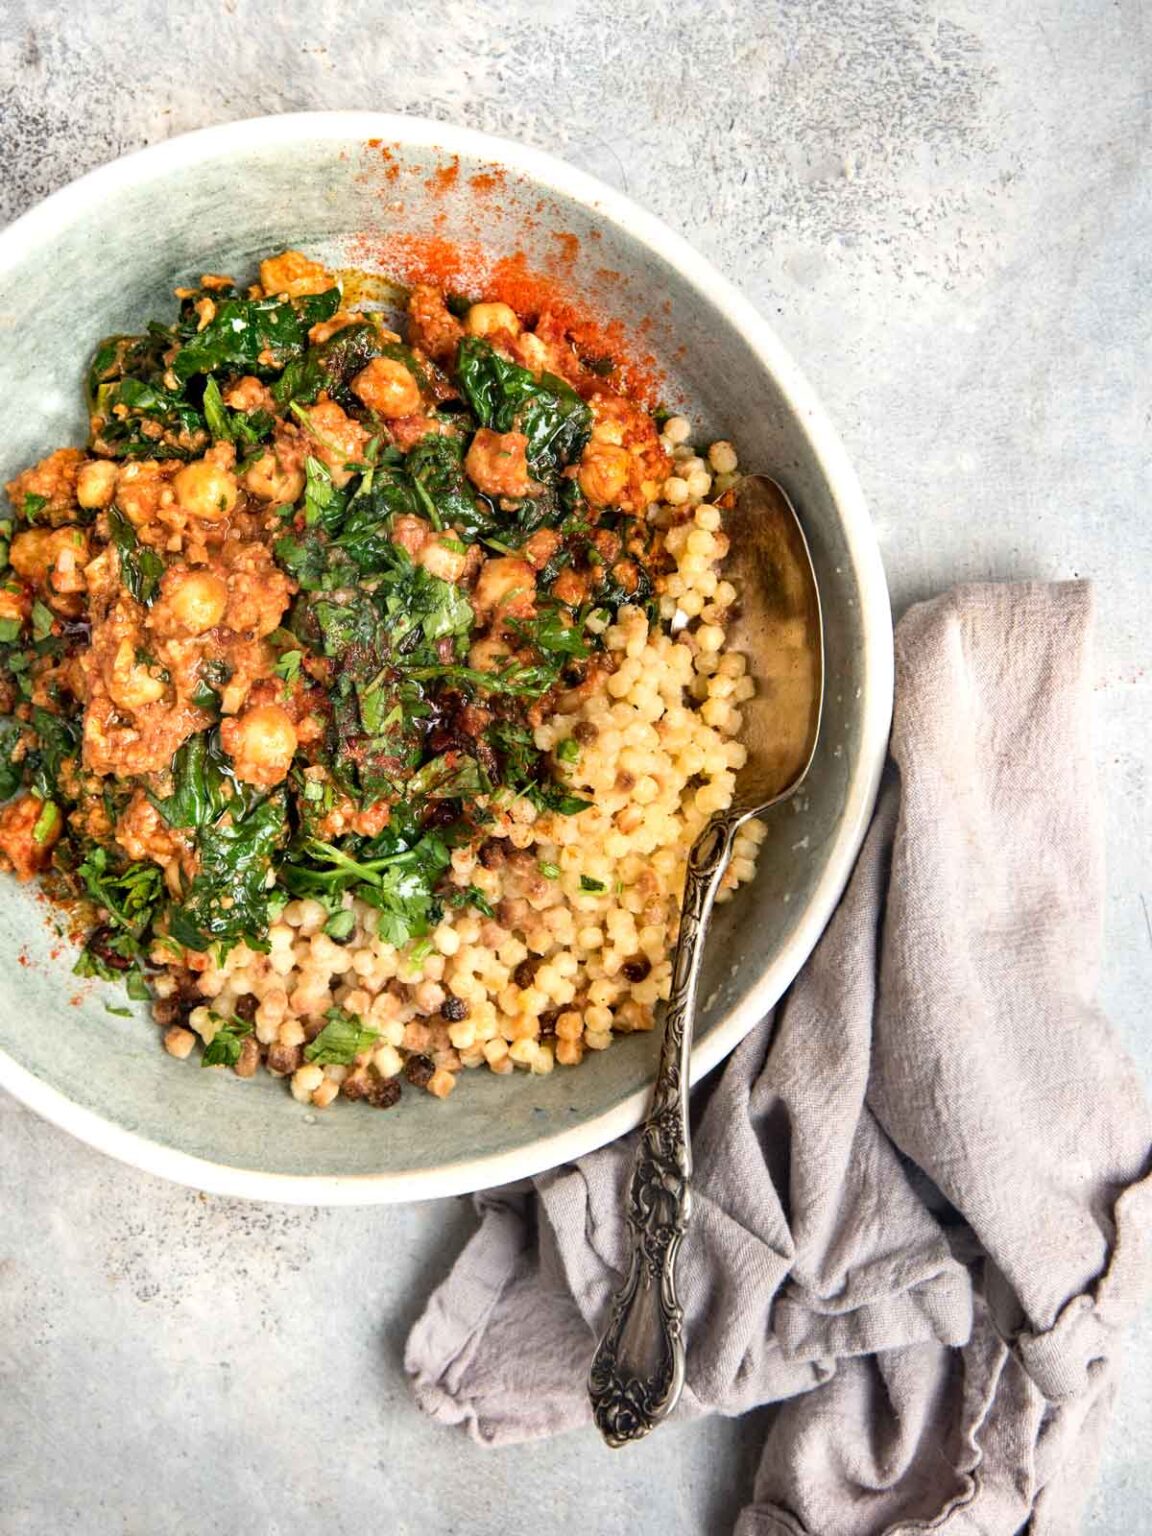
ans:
(922, 1187)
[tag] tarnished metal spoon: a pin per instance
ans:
(638, 1370)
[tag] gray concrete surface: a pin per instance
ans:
(945, 206)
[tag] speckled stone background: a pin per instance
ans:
(945, 207)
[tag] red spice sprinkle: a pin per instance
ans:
(445, 177)
(569, 247)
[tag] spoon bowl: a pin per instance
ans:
(777, 624)
(637, 1372)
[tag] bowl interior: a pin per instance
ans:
(108, 263)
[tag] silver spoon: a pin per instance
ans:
(638, 1370)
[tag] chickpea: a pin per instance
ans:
(14, 603)
(32, 554)
(337, 441)
(130, 684)
(497, 463)
(179, 1042)
(27, 850)
(488, 654)
(294, 274)
(268, 479)
(205, 490)
(540, 546)
(439, 560)
(261, 743)
(570, 587)
(191, 602)
(248, 394)
(604, 469)
(532, 353)
(506, 585)
(490, 319)
(412, 534)
(142, 489)
(387, 387)
(96, 483)
(51, 558)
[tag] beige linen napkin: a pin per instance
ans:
(923, 1185)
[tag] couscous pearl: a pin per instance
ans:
(722, 457)
(387, 1061)
(305, 1080)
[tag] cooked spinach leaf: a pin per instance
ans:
(57, 740)
(448, 777)
(339, 359)
(140, 567)
(244, 428)
(509, 398)
(301, 381)
(310, 561)
(11, 772)
(227, 899)
(202, 785)
(135, 414)
(324, 504)
(436, 468)
(258, 336)
(131, 894)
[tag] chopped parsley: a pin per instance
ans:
(340, 1041)
(226, 1045)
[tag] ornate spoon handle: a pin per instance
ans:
(638, 1369)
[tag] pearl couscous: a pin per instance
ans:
(368, 688)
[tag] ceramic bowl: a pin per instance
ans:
(102, 256)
